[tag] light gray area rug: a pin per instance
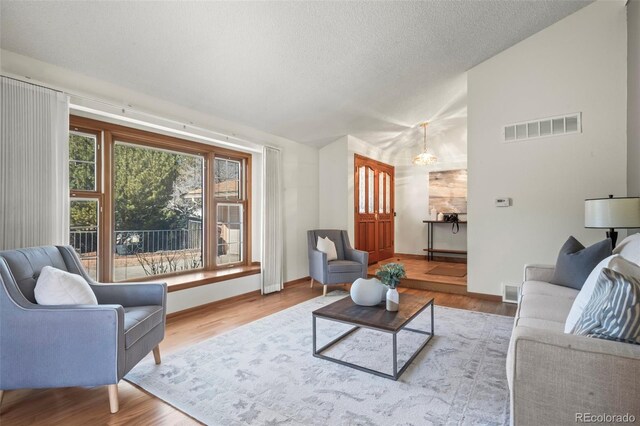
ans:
(264, 373)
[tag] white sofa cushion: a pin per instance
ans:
(540, 324)
(57, 287)
(615, 262)
(629, 248)
(544, 307)
(548, 289)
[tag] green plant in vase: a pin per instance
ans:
(390, 275)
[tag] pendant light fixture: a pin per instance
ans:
(425, 158)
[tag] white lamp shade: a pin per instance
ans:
(612, 213)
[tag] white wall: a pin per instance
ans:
(301, 206)
(333, 189)
(412, 207)
(300, 162)
(633, 98)
(185, 299)
(577, 64)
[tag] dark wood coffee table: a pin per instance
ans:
(375, 318)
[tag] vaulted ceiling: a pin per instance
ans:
(307, 71)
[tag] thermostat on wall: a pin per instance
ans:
(503, 202)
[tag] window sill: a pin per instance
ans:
(199, 278)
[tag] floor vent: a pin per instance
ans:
(511, 293)
(544, 127)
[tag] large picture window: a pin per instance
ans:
(163, 206)
(157, 197)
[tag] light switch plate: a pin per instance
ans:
(503, 202)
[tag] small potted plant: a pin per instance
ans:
(390, 275)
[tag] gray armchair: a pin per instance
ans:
(73, 345)
(350, 265)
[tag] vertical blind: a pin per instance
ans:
(272, 229)
(34, 184)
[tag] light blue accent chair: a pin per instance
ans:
(73, 345)
(350, 265)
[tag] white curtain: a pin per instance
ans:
(34, 155)
(272, 223)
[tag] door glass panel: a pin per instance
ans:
(361, 190)
(387, 202)
(380, 192)
(83, 230)
(158, 211)
(370, 182)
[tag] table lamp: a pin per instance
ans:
(611, 213)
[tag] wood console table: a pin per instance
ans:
(430, 250)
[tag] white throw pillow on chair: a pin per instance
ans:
(325, 245)
(615, 262)
(57, 287)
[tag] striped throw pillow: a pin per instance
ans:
(613, 312)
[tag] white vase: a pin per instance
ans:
(366, 292)
(393, 300)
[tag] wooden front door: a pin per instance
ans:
(374, 208)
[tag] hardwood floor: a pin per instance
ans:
(81, 406)
(418, 268)
(420, 275)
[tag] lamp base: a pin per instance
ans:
(613, 235)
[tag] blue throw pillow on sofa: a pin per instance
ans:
(575, 262)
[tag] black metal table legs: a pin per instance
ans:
(317, 352)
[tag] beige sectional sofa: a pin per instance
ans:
(555, 377)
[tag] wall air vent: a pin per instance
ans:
(511, 293)
(544, 127)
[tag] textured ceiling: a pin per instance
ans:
(307, 71)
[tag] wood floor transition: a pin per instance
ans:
(82, 406)
(420, 273)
